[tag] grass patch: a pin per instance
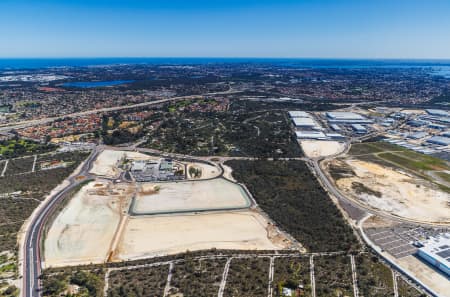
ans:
(416, 165)
(444, 176)
(17, 148)
(373, 147)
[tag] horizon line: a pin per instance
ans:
(229, 57)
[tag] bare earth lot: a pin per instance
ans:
(437, 281)
(162, 235)
(189, 196)
(207, 171)
(83, 230)
(318, 148)
(398, 193)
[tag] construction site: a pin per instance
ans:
(115, 218)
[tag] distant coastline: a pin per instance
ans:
(38, 63)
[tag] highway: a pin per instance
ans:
(31, 251)
(29, 123)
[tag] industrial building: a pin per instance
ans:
(150, 170)
(336, 117)
(437, 126)
(440, 140)
(335, 136)
(437, 112)
(305, 123)
(310, 135)
(298, 114)
(303, 120)
(418, 123)
(359, 128)
(436, 251)
(335, 127)
(418, 135)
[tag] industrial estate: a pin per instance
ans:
(224, 179)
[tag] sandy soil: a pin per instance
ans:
(106, 163)
(83, 230)
(228, 172)
(191, 195)
(208, 171)
(402, 195)
(318, 148)
(162, 235)
(427, 275)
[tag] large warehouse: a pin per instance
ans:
(344, 117)
(440, 140)
(436, 251)
(305, 123)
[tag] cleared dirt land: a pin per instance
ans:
(393, 191)
(435, 280)
(83, 230)
(189, 196)
(317, 148)
(162, 235)
(204, 171)
(106, 163)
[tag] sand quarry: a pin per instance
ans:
(319, 148)
(401, 194)
(96, 225)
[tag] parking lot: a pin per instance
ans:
(398, 240)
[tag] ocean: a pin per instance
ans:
(38, 63)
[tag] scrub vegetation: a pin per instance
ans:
(293, 198)
(333, 276)
(21, 194)
(247, 278)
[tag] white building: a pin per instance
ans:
(310, 135)
(436, 251)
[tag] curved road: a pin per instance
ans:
(31, 259)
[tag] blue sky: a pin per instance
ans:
(225, 28)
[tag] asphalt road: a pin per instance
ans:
(31, 257)
(30, 123)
